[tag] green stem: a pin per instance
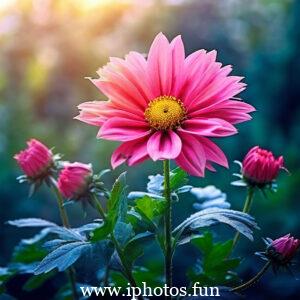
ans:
(246, 209)
(121, 254)
(168, 225)
(60, 203)
(65, 221)
(253, 280)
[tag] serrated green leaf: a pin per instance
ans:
(116, 192)
(123, 232)
(150, 207)
(116, 210)
(62, 257)
(101, 232)
(218, 253)
(116, 201)
(178, 178)
(204, 243)
(215, 268)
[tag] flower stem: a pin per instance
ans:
(121, 254)
(253, 280)
(65, 221)
(246, 209)
(168, 225)
(60, 203)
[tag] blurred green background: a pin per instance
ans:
(47, 47)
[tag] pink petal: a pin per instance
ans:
(212, 152)
(164, 145)
(137, 60)
(97, 112)
(207, 84)
(123, 129)
(92, 112)
(120, 93)
(220, 87)
(210, 167)
(178, 56)
(232, 111)
(134, 69)
(160, 66)
(199, 69)
(132, 152)
(192, 157)
(211, 127)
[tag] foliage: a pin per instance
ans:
(124, 231)
(214, 268)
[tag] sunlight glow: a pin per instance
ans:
(6, 3)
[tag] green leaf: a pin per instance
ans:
(116, 201)
(62, 257)
(204, 243)
(117, 210)
(150, 207)
(151, 273)
(227, 265)
(123, 232)
(35, 282)
(117, 190)
(134, 249)
(119, 279)
(178, 177)
(24, 253)
(215, 268)
(101, 232)
(218, 253)
(5, 275)
(140, 222)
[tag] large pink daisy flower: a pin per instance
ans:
(167, 106)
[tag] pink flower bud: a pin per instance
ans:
(285, 248)
(35, 160)
(74, 179)
(260, 166)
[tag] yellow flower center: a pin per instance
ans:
(165, 112)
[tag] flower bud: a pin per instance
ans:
(36, 160)
(260, 167)
(283, 249)
(74, 180)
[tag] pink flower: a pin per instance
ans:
(260, 166)
(74, 180)
(167, 106)
(285, 248)
(36, 160)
